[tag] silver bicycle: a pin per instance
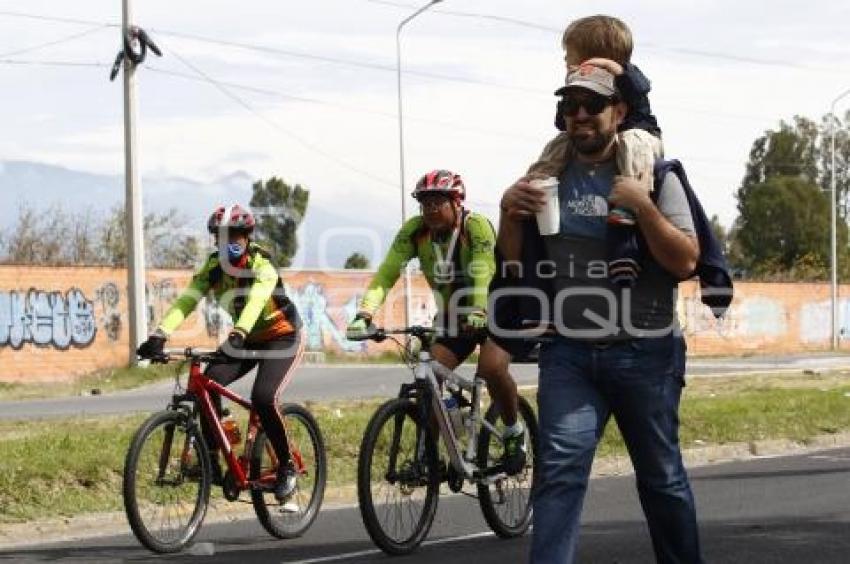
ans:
(402, 462)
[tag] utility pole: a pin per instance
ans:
(133, 202)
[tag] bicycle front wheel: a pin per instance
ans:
(294, 516)
(166, 482)
(398, 477)
(506, 501)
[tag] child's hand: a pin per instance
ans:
(613, 67)
(629, 193)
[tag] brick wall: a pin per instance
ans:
(59, 322)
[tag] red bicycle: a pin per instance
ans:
(168, 473)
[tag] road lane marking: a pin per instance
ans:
(375, 551)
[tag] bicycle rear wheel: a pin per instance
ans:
(398, 478)
(307, 451)
(165, 507)
(506, 502)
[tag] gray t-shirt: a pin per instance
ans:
(586, 303)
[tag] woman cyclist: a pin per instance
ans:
(242, 279)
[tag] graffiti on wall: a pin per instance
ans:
(46, 319)
(108, 296)
(54, 319)
(320, 322)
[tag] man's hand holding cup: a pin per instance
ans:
(522, 199)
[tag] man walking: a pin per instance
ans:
(618, 351)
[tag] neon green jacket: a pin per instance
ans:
(260, 318)
(477, 262)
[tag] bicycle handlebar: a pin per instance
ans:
(190, 353)
(379, 334)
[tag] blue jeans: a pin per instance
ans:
(639, 382)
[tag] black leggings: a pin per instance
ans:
(273, 373)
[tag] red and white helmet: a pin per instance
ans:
(441, 182)
(231, 217)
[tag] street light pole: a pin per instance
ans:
(407, 279)
(833, 237)
(133, 204)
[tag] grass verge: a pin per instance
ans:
(73, 466)
(108, 380)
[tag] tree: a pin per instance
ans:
(357, 261)
(50, 236)
(279, 208)
(794, 160)
(54, 236)
(792, 150)
(168, 243)
(783, 220)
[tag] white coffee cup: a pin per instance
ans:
(548, 218)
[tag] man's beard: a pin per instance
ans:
(591, 144)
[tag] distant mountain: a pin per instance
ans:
(41, 185)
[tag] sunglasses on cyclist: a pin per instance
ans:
(428, 203)
(593, 104)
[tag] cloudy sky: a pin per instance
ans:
(307, 90)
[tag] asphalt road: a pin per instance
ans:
(321, 383)
(770, 510)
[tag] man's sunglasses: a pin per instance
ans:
(433, 203)
(593, 104)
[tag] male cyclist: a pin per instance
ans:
(241, 278)
(455, 250)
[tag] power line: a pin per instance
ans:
(266, 49)
(342, 61)
(56, 19)
(374, 66)
(454, 125)
(292, 53)
(95, 64)
(310, 146)
(282, 95)
(58, 41)
(644, 44)
(424, 74)
(502, 19)
(346, 107)
(25, 62)
(383, 67)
